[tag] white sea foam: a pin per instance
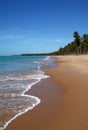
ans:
(36, 62)
(47, 58)
(22, 80)
(29, 108)
(38, 77)
(21, 77)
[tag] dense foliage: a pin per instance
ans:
(78, 46)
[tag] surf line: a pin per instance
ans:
(25, 95)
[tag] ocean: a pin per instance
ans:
(17, 75)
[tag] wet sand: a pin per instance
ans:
(40, 116)
(64, 98)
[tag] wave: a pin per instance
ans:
(23, 77)
(36, 62)
(26, 79)
(47, 58)
(38, 76)
(29, 108)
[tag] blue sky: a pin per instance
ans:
(39, 26)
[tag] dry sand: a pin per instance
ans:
(64, 103)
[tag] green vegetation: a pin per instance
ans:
(78, 46)
(36, 54)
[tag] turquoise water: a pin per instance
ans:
(11, 64)
(17, 75)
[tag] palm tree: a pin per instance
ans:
(77, 40)
(85, 42)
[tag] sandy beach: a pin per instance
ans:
(64, 98)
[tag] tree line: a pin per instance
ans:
(78, 46)
(35, 54)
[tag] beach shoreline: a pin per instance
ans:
(64, 98)
(71, 74)
(39, 117)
